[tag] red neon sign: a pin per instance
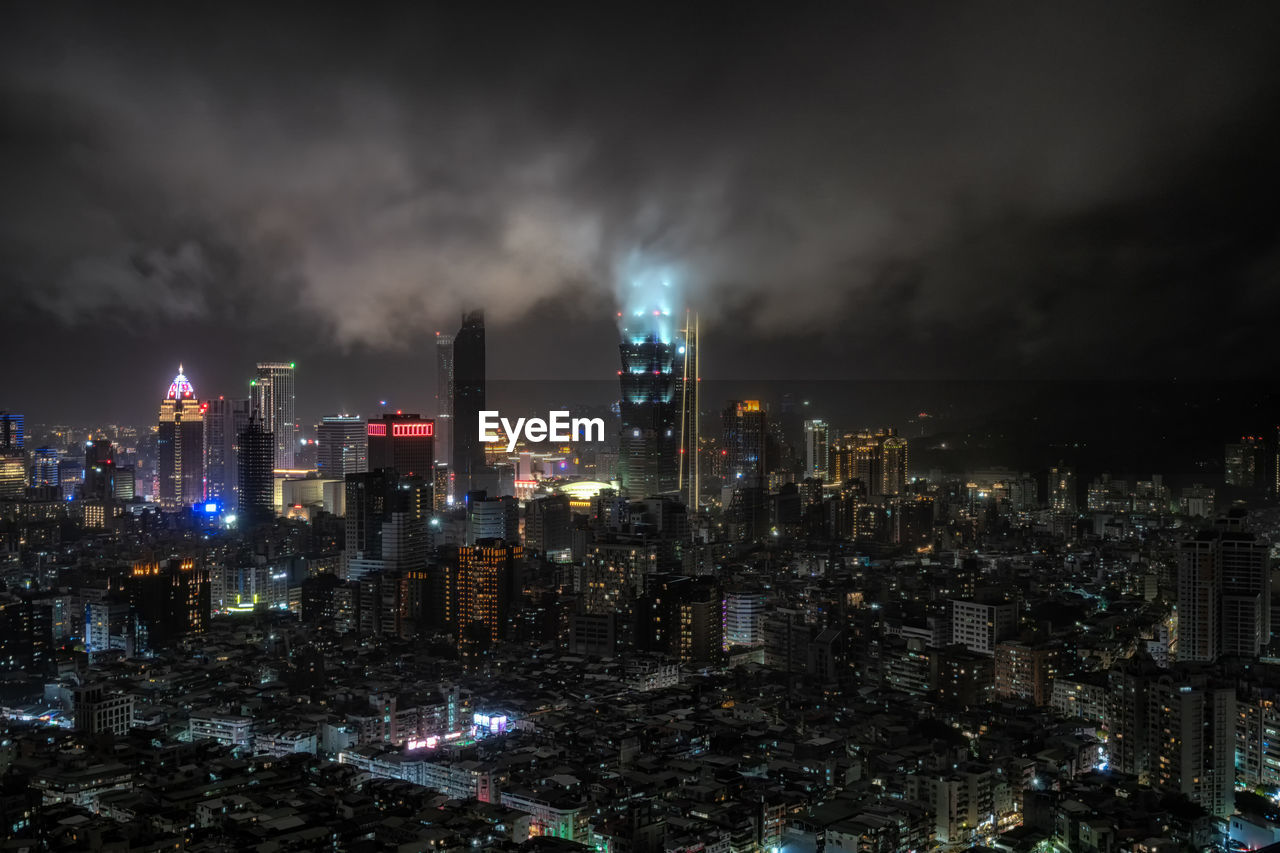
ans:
(413, 430)
(377, 429)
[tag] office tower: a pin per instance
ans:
(385, 524)
(689, 388)
(126, 483)
(492, 518)
(444, 398)
(224, 420)
(368, 496)
(548, 524)
(1062, 489)
(404, 443)
(1224, 595)
(649, 440)
(894, 465)
(745, 430)
(44, 467)
(1244, 462)
(1175, 730)
(344, 446)
(12, 434)
(469, 467)
(255, 476)
(99, 470)
(485, 575)
(171, 599)
(273, 397)
(180, 446)
(13, 473)
(817, 449)
(440, 487)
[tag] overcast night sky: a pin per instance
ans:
(849, 190)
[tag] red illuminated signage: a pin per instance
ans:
(405, 430)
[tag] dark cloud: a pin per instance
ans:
(925, 190)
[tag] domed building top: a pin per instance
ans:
(181, 388)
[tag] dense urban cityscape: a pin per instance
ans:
(640, 428)
(227, 629)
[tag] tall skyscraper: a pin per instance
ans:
(385, 525)
(1224, 595)
(224, 420)
(1063, 497)
(1244, 462)
(745, 431)
(690, 465)
(273, 397)
(1175, 730)
(470, 470)
(180, 446)
(12, 434)
(344, 446)
(171, 599)
(893, 451)
(817, 449)
(649, 436)
(485, 573)
(13, 473)
(256, 448)
(99, 470)
(44, 467)
(444, 398)
(404, 443)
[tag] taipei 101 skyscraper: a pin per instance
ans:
(654, 389)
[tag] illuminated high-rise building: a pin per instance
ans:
(224, 420)
(893, 451)
(817, 449)
(444, 398)
(171, 599)
(13, 473)
(12, 434)
(44, 467)
(485, 575)
(99, 470)
(649, 435)
(404, 443)
(180, 446)
(1062, 490)
(274, 399)
(745, 432)
(1244, 462)
(1224, 590)
(255, 452)
(344, 446)
(470, 470)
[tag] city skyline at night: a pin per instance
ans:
(640, 428)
